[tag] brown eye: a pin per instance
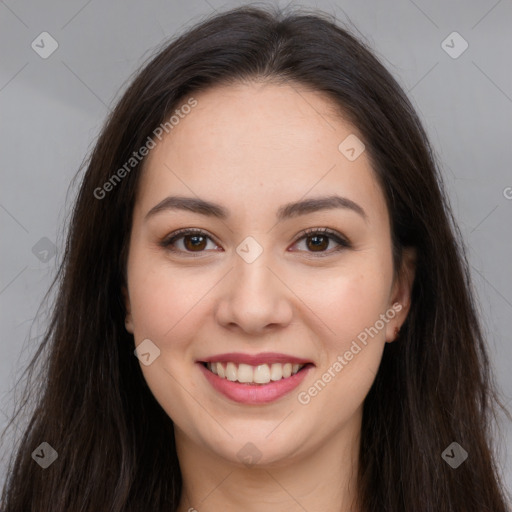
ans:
(196, 241)
(318, 243)
(192, 241)
(318, 240)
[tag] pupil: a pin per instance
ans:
(317, 244)
(196, 244)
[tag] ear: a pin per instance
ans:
(128, 319)
(400, 298)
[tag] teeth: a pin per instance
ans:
(276, 371)
(231, 372)
(247, 374)
(262, 374)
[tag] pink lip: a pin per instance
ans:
(256, 359)
(254, 393)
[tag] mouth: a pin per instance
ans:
(254, 379)
(258, 375)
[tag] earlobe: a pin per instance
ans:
(128, 323)
(402, 292)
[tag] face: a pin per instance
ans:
(259, 286)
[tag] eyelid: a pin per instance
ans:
(167, 242)
(342, 241)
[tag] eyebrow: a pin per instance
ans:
(289, 210)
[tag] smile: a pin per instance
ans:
(254, 379)
(247, 374)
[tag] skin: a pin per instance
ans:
(253, 147)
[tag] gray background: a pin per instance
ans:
(52, 110)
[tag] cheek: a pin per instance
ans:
(350, 301)
(350, 356)
(165, 308)
(352, 304)
(162, 299)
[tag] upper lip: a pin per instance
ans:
(255, 359)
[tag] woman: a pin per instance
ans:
(262, 304)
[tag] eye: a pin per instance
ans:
(196, 241)
(317, 240)
(193, 240)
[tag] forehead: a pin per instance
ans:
(259, 144)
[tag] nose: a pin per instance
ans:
(254, 298)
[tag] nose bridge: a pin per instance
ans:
(252, 279)
(254, 297)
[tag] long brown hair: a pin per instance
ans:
(115, 443)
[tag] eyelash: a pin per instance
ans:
(332, 235)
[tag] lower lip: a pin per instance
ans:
(255, 393)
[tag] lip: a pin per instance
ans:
(257, 393)
(255, 359)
